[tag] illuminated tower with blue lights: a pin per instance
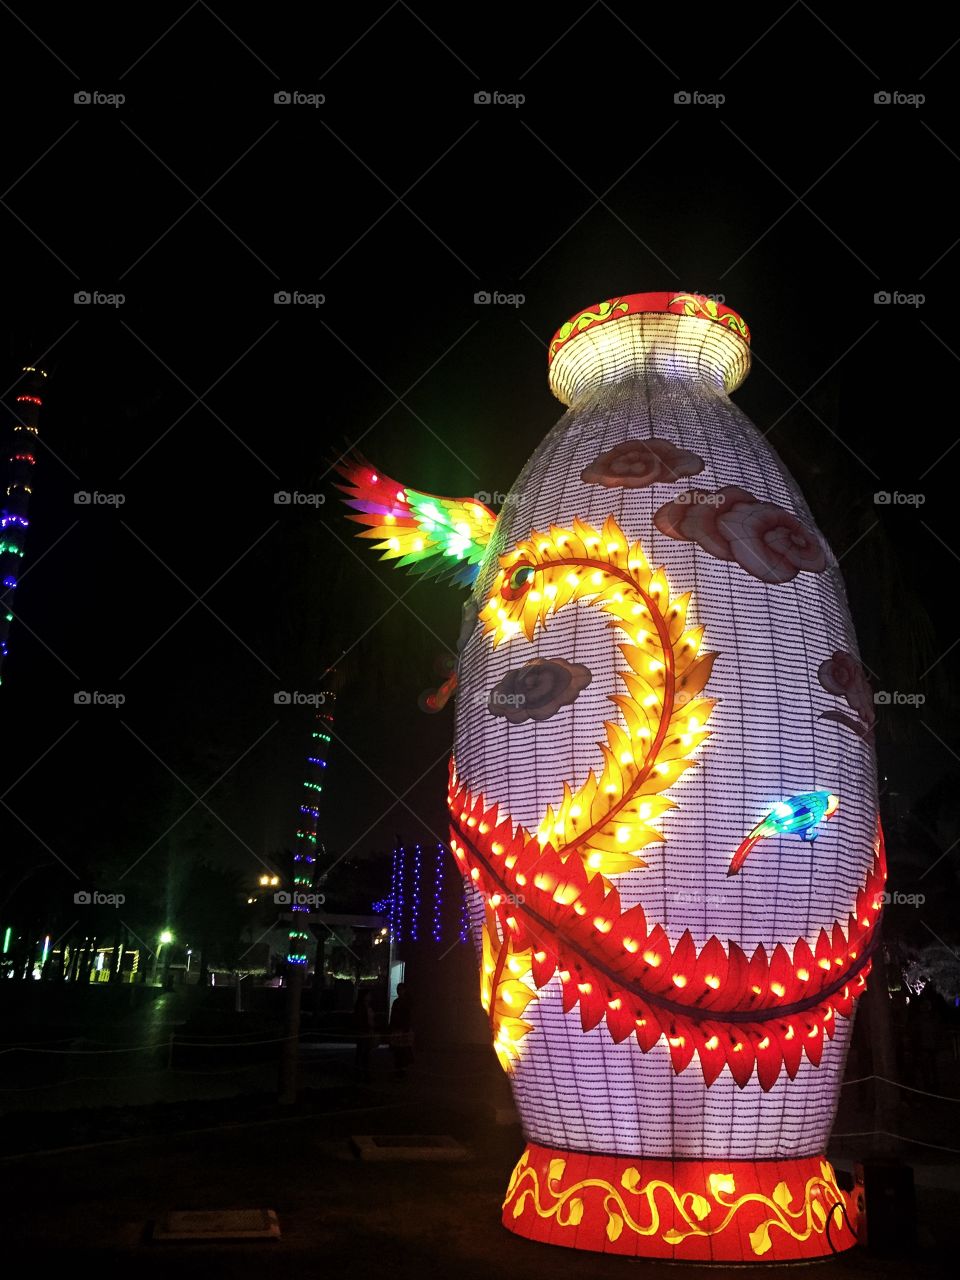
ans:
(307, 843)
(20, 460)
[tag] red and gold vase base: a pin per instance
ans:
(681, 1210)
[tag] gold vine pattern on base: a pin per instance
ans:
(821, 1198)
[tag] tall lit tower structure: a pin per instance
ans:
(303, 878)
(308, 843)
(20, 460)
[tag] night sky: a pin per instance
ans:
(398, 198)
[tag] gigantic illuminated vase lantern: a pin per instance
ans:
(662, 798)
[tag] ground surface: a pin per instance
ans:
(338, 1215)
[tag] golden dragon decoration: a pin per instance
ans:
(763, 1012)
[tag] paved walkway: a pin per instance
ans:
(339, 1216)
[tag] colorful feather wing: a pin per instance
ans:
(422, 532)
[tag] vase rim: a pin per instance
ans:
(697, 305)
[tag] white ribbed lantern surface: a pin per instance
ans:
(663, 797)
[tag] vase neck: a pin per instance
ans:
(680, 348)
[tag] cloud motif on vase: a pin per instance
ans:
(637, 464)
(538, 689)
(764, 539)
(843, 676)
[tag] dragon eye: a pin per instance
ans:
(518, 582)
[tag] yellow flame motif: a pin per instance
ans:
(503, 992)
(611, 818)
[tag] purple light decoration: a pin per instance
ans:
(463, 916)
(437, 893)
(393, 896)
(415, 909)
(401, 874)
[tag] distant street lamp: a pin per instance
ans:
(165, 938)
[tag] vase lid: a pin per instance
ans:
(594, 325)
(628, 304)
